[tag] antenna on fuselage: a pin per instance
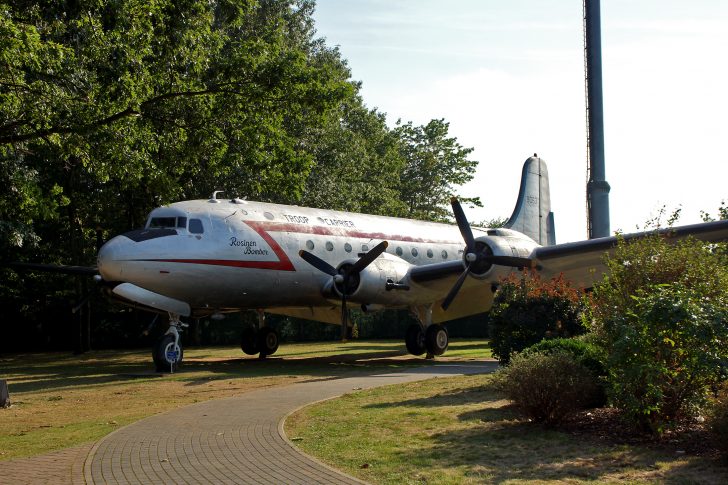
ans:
(213, 199)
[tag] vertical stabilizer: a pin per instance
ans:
(532, 215)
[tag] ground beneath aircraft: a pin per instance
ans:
(231, 440)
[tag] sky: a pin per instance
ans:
(509, 78)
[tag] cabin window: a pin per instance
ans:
(309, 245)
(430, 254)
(444, 254)
(163, 222)
(415, 252)
(399, 251)
(347, 247)
(329, 246)
(268, 215)
(196, 226)
(364, 248)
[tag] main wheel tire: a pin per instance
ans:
(249, 341)
(436, 339)
(166, 355)
(415, 340)
(267, 341)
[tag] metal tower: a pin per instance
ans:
(597, 188)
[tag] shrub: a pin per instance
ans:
(585, 353)
(527, 309)
(547, 387)
(660, 314)
(718, 418)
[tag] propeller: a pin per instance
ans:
(346, 278)
(476, 254)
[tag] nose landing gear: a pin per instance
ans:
(167, 353)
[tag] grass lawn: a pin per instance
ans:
(458, 430)
(60, 400)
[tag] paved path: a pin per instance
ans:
(233, 440)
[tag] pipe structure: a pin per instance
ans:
(597, 188)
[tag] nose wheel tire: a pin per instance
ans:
(415, 340)
(267, 341)
(436, 339)
(166, 355)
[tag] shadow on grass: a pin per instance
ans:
(519, 451)
(501, 446)
(54, 371)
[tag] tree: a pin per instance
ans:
(111, 108)
(435, 164)
(357, 163)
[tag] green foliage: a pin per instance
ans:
(435, 164)
(722, 213)
(660, 314)
(584, 352)
(527, 310)
(718, 418)
(109, 109)
(548, 387)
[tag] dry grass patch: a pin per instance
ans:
(459, 430)
(61, 400)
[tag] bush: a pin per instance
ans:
(660, 314)
(547, 387)
(527, 310)
(585, 353)
(718, 419)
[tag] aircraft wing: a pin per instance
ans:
(582, 262)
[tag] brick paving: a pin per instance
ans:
(232, 440)
(59, 467)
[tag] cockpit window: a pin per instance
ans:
(196, 226)
(163, 222)
(182, 222)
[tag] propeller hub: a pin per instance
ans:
(471, 257)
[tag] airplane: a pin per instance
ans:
(202, 258)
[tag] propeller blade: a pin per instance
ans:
(318, 263)
(463, 223)
(367, 259)
(513, 261)
(454, 290)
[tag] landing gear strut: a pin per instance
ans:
(263, 341)
(167, 353)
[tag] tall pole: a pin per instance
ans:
(597, 188)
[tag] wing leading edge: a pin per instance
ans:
(582, 262)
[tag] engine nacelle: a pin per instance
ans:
(371, 285)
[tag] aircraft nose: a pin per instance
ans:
(110, 258)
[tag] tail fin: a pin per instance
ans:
(532, 215)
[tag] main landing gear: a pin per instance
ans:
(263, 341)
(167, 353)
(433, 340)
(426, 336)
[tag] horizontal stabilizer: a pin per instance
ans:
(151, 299)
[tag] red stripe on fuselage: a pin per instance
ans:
(277, 265)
